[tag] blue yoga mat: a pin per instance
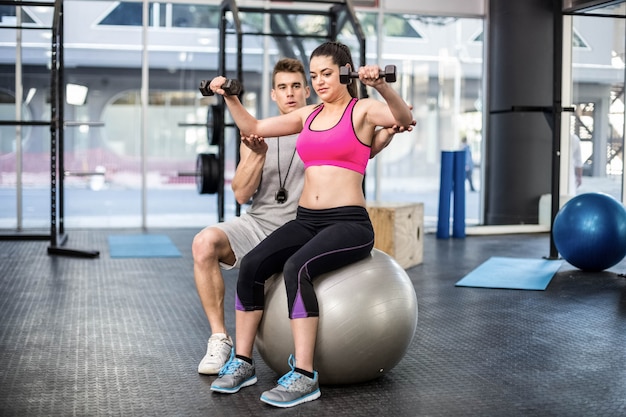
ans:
(512, 273)
(142, 246)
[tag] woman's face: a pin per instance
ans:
(325, 77)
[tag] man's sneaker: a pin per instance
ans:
(293, 388)
(235, 375)
(217, 354)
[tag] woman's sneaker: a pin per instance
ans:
(217, 354)
(293, 388)
(236, 374)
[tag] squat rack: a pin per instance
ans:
(339, 13)
(57, 124)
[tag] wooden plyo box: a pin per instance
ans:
(399, 231)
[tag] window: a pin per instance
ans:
(8, 16)
(164, 15)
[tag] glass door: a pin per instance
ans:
(597, 123)
(25, 39)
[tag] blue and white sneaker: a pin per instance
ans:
(293, 388)
(235, 374)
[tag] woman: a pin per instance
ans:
(332, 228)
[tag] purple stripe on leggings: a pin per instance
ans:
(238, 304)
(298, 311)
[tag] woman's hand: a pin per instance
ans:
(370, 75)
(216, 85)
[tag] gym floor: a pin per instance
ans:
(123, 337)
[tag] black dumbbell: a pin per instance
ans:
(231, 87)
(389, 74)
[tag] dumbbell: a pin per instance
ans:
(389, 73)
(230, 86)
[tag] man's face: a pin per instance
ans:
(289, 92)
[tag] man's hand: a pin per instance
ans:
(255, 143)
(399, 129)
(383, 137)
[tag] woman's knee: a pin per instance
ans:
(292, 271)
(250, 263)
(250, 294)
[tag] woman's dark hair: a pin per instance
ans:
(341, 56)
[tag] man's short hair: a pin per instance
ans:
(289, 65)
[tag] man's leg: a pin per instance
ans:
(210, 246)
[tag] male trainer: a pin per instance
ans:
(272, 175)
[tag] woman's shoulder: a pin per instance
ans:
(367, 104)
(364, 101)
(362, 105)
(303, 112)
(309, 109)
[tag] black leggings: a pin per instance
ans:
(316, 242)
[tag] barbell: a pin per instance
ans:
(389, 74)
(207, 173)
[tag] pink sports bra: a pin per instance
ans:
(338, 146)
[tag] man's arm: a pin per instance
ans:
(383, 137)
(248, 173)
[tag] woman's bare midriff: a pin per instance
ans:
(329, 186)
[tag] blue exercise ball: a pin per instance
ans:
(589, 231)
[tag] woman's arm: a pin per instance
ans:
(283, 125)
(394, 111)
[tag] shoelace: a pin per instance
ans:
(291, 376)
(231, 366)
(214, 345)
(288, 378)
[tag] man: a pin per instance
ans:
(271, 174)
(469, 163)
(576, 169)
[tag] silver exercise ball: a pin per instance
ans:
(368, 317)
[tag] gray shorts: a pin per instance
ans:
(244, 233)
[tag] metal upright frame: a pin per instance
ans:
(57, 234)
(58, 237)
(336, 8)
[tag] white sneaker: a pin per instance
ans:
(217, 354)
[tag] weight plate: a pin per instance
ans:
(207, 173)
